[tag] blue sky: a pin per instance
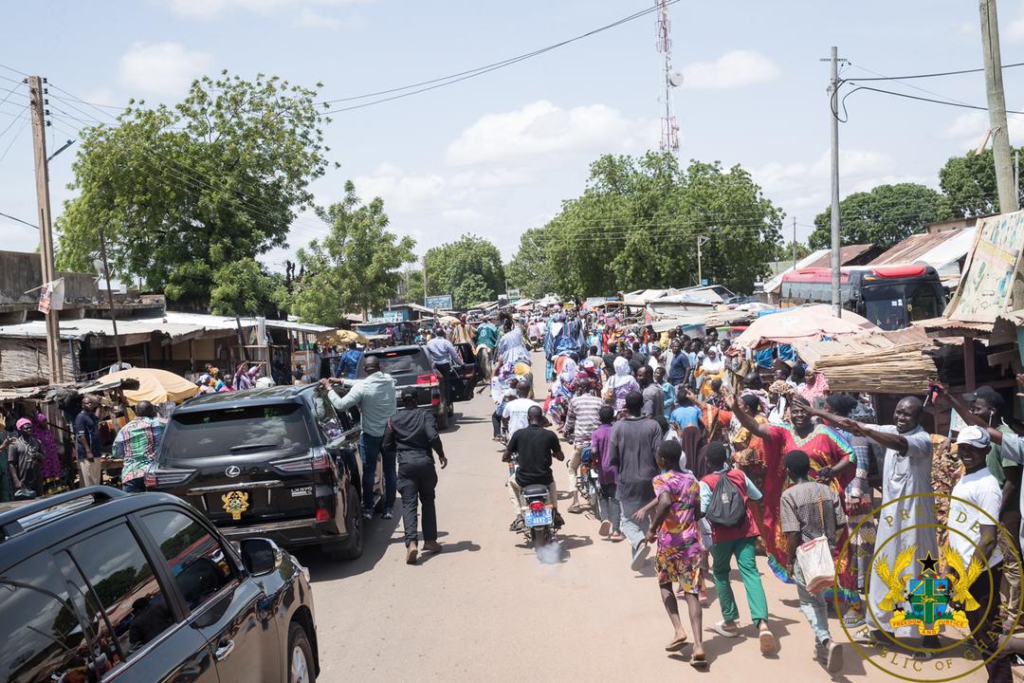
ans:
(496, 155)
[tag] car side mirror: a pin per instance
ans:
(260, 555)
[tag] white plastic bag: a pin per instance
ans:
(816, 565)
(815, 559)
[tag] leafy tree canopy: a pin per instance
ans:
(183, 191)
(969, 183)
(529, 271)
(637, 223)
(244, 287)
(469, 269)
(884, 216)
(356, 268)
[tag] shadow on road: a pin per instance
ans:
(376, 539)
(451, 549)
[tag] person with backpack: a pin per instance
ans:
(723, 501)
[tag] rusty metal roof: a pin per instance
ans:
(846, 255)
(916, 247)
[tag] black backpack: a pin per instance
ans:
(727, 508)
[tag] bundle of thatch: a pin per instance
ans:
(875, 362)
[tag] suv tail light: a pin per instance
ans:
(323, 515)
(537, 506)
(318, 459)
(429, 379)
(156, 477)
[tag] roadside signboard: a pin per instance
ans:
(513, 296)
(990, 284)
(438, 302)
(396, 316)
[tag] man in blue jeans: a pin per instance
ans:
(375, 397)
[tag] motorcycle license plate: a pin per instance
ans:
(542, 518)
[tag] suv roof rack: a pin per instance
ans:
(21, 519)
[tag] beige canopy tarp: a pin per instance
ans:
(155, 386)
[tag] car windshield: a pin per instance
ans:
(401, 362)
(235, 431)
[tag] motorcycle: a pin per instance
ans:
(586, 478)
(538, 515)
(536, 343)
(537, 520)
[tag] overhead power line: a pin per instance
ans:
(922, 99)
(939, 74)
(451, 79)
(18, 220)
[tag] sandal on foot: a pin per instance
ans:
(699, 661)
(721, 630)
(677, 644)
(767, 640)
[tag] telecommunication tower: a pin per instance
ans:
(672, 79)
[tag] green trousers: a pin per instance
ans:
(746, 560)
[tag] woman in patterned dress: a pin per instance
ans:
(832, 462)
(674, 526)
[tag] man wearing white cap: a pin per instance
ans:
(973, 528)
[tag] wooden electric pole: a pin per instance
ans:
(35, 86)
(997, 106)
(833, 108)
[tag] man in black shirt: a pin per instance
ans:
(411, 435)
(534, 447)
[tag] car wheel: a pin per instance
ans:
(442, 418)
(352, 547)
(301, 668)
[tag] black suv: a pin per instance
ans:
(102, 585)
(411, 367)
(278, 462)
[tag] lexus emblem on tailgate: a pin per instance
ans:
(233, 471)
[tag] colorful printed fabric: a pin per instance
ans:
(675, 565)
(137, 443)
(826, 449)
(679, 530)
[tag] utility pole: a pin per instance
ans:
(701, 239)
(833, 89)
(110, 296)
(426, 292)
(997, 106)
(35, 86)
(794, 243)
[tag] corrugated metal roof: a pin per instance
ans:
(172, 324)
(846, 254)
(935, 249)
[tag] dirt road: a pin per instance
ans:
(487, 610)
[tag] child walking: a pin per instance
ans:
(674, 526)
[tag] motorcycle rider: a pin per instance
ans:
(534, 447)
(487, 337)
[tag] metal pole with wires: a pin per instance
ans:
(833, 110)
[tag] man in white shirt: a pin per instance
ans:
(973, 528)
(516, 411)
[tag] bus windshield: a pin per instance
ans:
(895, 306)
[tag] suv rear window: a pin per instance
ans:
(235, 431)
(401, 362)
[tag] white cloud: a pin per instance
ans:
(968, 28)
(1013, 30)
(969, 129)
(102, 96)
(462, 216)
(161, 68)
(310, 19)
(543, 131)
(736, 69)
(209, 8)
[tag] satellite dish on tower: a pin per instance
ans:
(100, 269)
(675, 79)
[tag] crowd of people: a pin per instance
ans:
(704, 462)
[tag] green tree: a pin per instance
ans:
(244, 287)
(637, 223)
(182, 191)
(529, 270)
(969, 183)
(411, 288)
(785, 252)
(469, 269)
(356, 268)
(884, 216)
